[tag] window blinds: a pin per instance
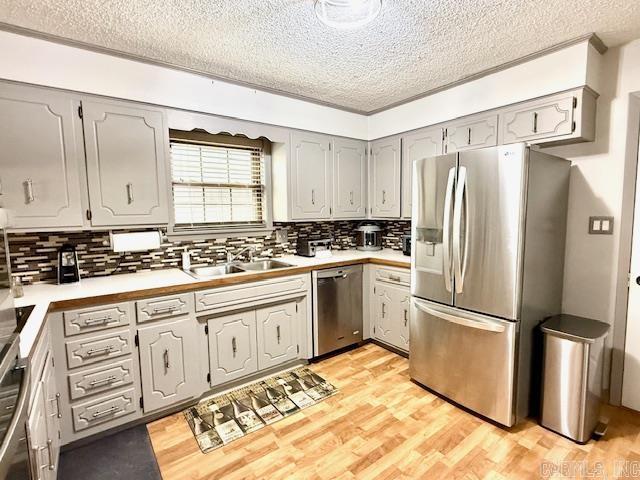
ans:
(217, 186)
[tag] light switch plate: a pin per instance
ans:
(601, 225)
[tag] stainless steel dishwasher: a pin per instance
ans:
(337, 308)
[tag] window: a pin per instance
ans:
(218, 182)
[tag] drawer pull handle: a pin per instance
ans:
(469, 136)
(58, 409)
(234, 347)
(28, 185)
(52, 465)
(406, 319)
(278, 333)
(394, 278)
(535, 122)
(165, 355)
(351, 197)
(384, 197)
(313, 197)
(161, 310)
(108, 411)
(129, 193)
(99, 351)
(384, 308)
(89, 322)
(102, 381)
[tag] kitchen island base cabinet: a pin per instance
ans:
(169, 367)
(232, 346)
(277, 334)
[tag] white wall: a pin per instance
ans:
(602, 183)
(36, 61)
(560, 70)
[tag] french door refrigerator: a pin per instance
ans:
(487, 257)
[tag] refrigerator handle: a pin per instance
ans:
(459, 319)
(446, 230)
(460, 264)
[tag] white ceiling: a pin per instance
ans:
(414, 45)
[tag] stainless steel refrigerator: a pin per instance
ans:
(487, 257)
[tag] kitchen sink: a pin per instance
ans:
(263, 265)
(215, 270)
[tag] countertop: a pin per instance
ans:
(48, 297)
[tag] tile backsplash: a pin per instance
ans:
(34, 256)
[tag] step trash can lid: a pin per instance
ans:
(579, 329)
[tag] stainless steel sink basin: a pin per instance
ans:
(215, 270)
(263, 265)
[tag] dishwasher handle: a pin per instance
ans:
(334, 274)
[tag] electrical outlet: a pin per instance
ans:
(282, 235)
(601, 225)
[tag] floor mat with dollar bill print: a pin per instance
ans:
(222, 419)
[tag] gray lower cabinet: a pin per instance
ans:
(391, 314)
(43, 424)
(126, 151)
(277, 334)
(232, 346)
(169, 365)
(41, 157)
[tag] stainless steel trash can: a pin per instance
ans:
(572, 375)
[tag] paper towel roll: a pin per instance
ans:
(135, 241)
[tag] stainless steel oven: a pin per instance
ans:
(14, 377)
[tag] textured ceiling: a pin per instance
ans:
(414, 45)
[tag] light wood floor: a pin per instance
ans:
(381, 425)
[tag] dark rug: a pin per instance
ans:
(124, 455)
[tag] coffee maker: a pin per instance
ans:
(68, 269)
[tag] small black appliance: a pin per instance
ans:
(68, 269)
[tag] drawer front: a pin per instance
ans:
(100, 379)
(103, 409)
(165, 307)
(393, 276)
(93, 319)
(97, 348)
(225, 296)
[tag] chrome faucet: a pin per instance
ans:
(232, 258)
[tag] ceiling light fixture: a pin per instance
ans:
(347, 14)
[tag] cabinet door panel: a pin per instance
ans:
(383, 306)
(404, 310)
(422, 144)
(126, 156)
(350, 173)
(37, 436)
(385, 178)
(42, 154)
(52, 413)
(168, 363)
(277, 334)
(539, 120)
(311, 176)
(232, 346)
(472, 133)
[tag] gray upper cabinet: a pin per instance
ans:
(42, 152)
(311, 176)
(169, 366)
(126, 150)
(232, 346)
(472, 132)
(421, 144)
(554, 120)
(350, 178)
(385, 167)
(277, 334)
